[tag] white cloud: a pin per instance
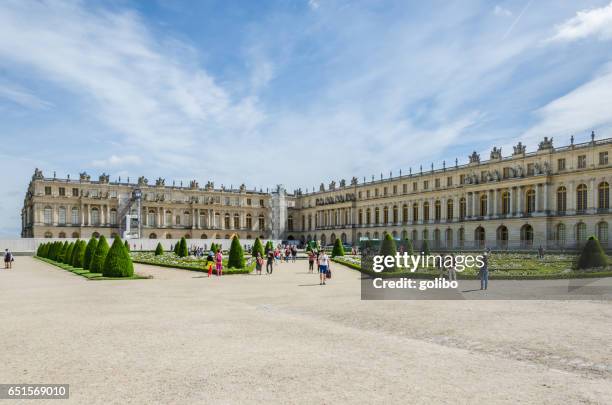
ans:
(501, 11)
(22, 97)
(314, 4)
(118, 161)
(596, 22)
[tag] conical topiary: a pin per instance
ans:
(388, 248)
(425, 248)
(117, 262)
(90, 249)
(97, 260)
(183, 252)
(78, 254)
(127, 245)
(592, 255)
(62, 252)
(68, 255)
(159, 250)
(236, 254)
(258, 247)
(176, 248)
(338, 249)
(409, 248)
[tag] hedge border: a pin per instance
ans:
(492, 276)
(230, 271)
(85, 273)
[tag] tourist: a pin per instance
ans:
(287, 254)
(8, 259)
(323, 267)
(311, 260)
(484, 272)
(293, 253)
(277, 256)
(258, 263)
(219, 263)
(540, 252)
(270, 262)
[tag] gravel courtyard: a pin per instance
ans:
(184, 338)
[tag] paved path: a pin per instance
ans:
(185, 338)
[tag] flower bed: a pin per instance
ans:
(171, 260)
(85, 273)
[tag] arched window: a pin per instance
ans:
(237, 222)
(368, 216)
(602, 231)
(262, 222)
(395, 214)
(61, 217)
(343, 238)
(226, 221)
(113, 216)
(561, 234)
(48, 235)
(376, 235)
(187, 218)
(449, 238)
(75, 216)
(505, 199)
(561, 199)
(502, 237)
(483, 205)
(187, 236)
(151, 219)
(425, 234)
(530, 200)
(178, 220)
(437, 210)
(461, 237)
(75, 234)
(152, 236)
(376, 215)
(426, 211)
(581, 198)
(168, 236)
(204, 236)
(415, 212)
(603, 193)
(61, 235)
(415, 235)
(580, 231)
(479, 237)
(168, 218)
(462, 208)
(386, 215)
(404, 234)
(48, 216)
(405, 214)
(526, 236)
(96, 234)
(359, 218)
(249, 221)
(436, 237)
(95, 216)
(449, 209)
(310, 221)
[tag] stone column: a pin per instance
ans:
(443, 210)
(512, 205)
(545, 198)
(593, 203)
(88, 214)
(495, 202)
(537, 198)
(571, 199)
(520, 201)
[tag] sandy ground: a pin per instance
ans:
(185, 338)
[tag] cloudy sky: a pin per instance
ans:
(296, 92)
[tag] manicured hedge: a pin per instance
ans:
(97, 260)
(258, 247)
(159, 250)
(118, 262)
(236, 254)
(592, 255)
(338, 249)
(90, 249)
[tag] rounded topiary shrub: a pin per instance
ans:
(236, 254)
(338, 249)
(592, 255)
(90, 249)
(79, 254)
(258, 247)
(388, 248)
(97, 260)
(159, 250)
(118, 262)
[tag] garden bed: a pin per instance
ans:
(171, 260)
(85, 273)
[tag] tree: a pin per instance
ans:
(592, 255)
(338, 249)
(62, 252)
(409, 248)
(258, 247)
(236, 254)
(117, 262)
(426, 250)
(97, 260)
(127, 245)
(176, 248)
(213, 247)
(182, 250)
(68, 255)
(90, 249)
(388, 248)
(159, 250)
(78, 254)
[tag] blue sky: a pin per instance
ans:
(296, 92)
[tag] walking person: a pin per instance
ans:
(219, 262)
(270, 262)
(323, 267)
(258, 263)
(293, 253)
(8, 259)
(484, 272)
(311, 260)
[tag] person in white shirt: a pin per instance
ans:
(323, 267)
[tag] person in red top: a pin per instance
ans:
(219, 263)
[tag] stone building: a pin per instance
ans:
(555, 197)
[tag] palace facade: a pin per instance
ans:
(555, 197)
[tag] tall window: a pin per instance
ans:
(368, 216)
(425, 211)
(581, 198)
(531, 200)
(48, 216)
(262, 222)
(377, 215)
(168, 218)
(415, 212)
(395, 215)
(603, 158)
(226, 221)
(483, 205)
(561, 199)
(404, 213)
(561, 234)
(249, 221)
(151, 218)
(449, 210)
(437, 210)
(237, 222)
(505, 203)
(581, 161)
(75, 216)
(386, 215)
(113, 217)
(462, 208)
(581, 231)
(603, 195)
(95, 216)
(61, 217)
(602, 231)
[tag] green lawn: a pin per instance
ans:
(187, 263)
(85, 273)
